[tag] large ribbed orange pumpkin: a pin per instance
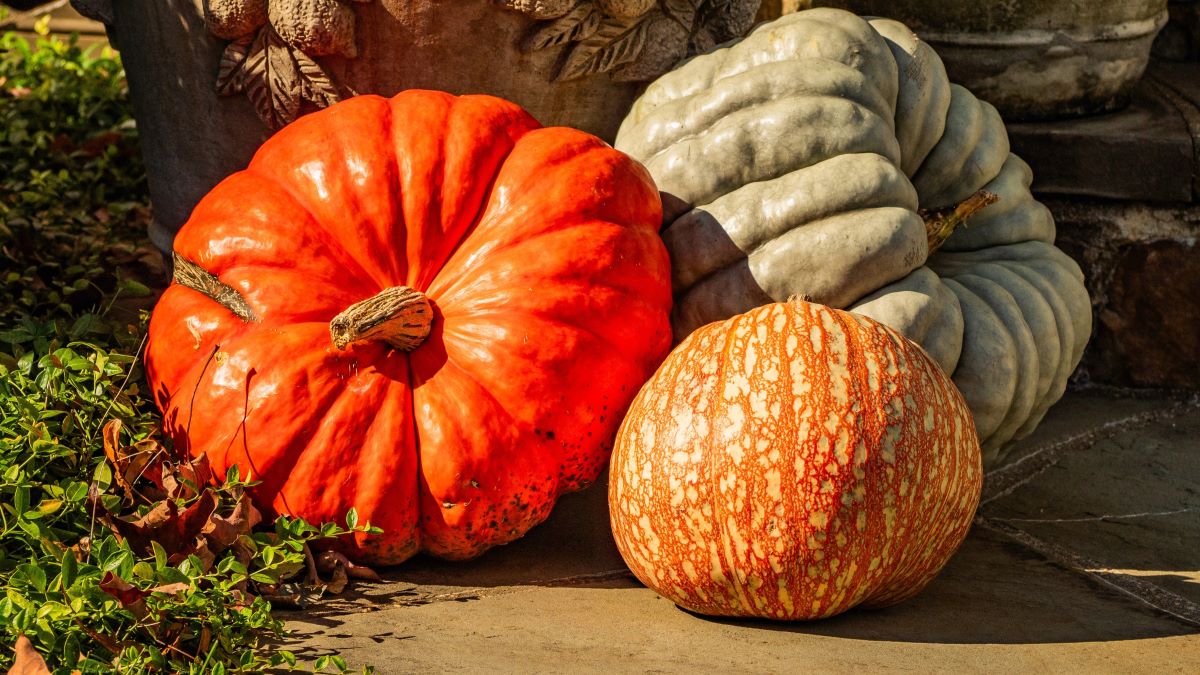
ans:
(791, 463)
(428, 308)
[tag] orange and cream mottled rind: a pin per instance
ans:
(791, 463)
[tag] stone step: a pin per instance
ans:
(1146, 152)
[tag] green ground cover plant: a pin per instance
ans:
(114, 553)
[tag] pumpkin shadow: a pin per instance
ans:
(995, 592)
(572, 547)
(992, 591)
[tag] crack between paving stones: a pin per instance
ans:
(1145, 592)
(1005, 480)
(1093, 519)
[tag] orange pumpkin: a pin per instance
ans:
(791, 463)
(428, 308)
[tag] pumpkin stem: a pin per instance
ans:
(941, 223)
(400, 316)
(190, 275)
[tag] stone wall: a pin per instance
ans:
(1142, 266)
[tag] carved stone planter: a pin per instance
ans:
(1034, 59)
(210, 79)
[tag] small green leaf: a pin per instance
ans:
(21, 498)
(143, 570)
(160, 555)
(231, 566)
(263, 578)
(70, 569)
(352, 518)
(172, 575)
(117, 561)
(102, 476)
(75, 492)
(134, 288)
(35, 575)
(31, 527)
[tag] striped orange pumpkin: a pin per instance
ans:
(791, 463)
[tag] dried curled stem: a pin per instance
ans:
(400, 316)
(941, 223)
(190, 275)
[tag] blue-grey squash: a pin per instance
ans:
(824, 156)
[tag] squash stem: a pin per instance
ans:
(400, 316)
(190, 275)
(941, 223)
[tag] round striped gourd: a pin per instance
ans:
(819, 157)
(793, 462)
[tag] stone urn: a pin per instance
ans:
(212, 79)
(1032, 59)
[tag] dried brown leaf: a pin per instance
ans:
(204, 553)
(205, 640)
(128, 462)
(288, 596)
(362, 572)
(328, 561)
(171, 589)
(338, 580)
(131, 597)
(111, 433)
(174, 530)
(29, 661)
(223, 531)
(110, 643)
(183, 481)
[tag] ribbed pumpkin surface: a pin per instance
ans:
(791, 463)
(800, 160)
(538, 253)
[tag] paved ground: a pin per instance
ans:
(1085, 558)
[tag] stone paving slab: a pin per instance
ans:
(1100, 593)
(1130, 502)
(1082, 417)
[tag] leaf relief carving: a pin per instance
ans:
(270, 55)
(634, 40)
(579, 24)
(616, 42)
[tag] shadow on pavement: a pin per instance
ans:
(995, 592)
